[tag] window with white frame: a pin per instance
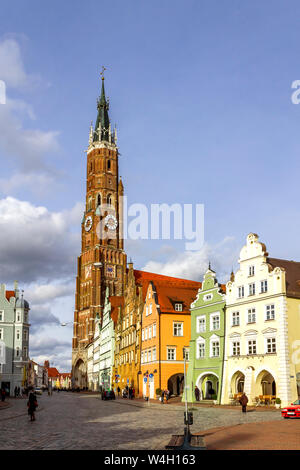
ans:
(154, 330)
(251, 315)
(25, 352)
(149, 355)
(235, 319)
(215, 348)
(142, 357)
(1, 315)
(147, 310)
(150, 309)
(263, 286)
(149, 332)
(236, 348)
(252, 288)
(241, 292)
(143, 335)
(146, 334)
(271, 345)
(201, 324)
(18, 317)
(215, 322)
(270, 312)
(251, 270)
(177, 329)
(252, 346)
(149, 295)
(178, 307)
(154, 354)
(17, 351)
(201, 349)
(18, 334)
(171, 354)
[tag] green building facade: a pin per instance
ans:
(206, 355)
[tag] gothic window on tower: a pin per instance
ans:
(109, 200)
(108, 165)
(99, 200)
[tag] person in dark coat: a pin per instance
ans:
(162, 396)
(197, 393)
(118, 390)
(243, 401)
(32, 405)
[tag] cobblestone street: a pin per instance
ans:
(81, 421)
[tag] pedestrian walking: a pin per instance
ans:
(118, 390)
(32, 405)
(167, 395)
(197, 393)
(16, 391)
(133, 393)
(3, 393)
(243, 401)
(162, 396)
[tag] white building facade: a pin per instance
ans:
(259, 325)
(14, 339)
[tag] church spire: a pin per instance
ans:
(102, 125)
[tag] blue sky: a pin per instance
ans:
(201, 95)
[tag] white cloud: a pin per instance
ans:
(37, 244)
(12, 69)
(193, 264)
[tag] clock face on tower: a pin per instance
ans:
(111, 222)
(88, 223)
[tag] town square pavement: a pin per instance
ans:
(69, 420)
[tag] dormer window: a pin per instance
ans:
(178, 307)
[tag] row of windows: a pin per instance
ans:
(149, 332)
(263, 288)
(127, 322)
(18, 335)
(235, 347)
(126, 358)
(18, 317)
(148, 355)
(214, 322)
(214, 350)
(128, 339)
(251, 346)
(251, 315)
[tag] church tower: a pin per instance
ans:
(102, 262)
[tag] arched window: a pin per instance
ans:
(109, 200)
(108, 165)
(99, 200)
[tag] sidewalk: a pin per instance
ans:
(176, 404)
(273, 435)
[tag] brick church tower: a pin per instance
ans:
(102, 261)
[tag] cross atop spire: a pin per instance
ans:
(102, 131)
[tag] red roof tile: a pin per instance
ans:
(53, 372)
(9, 294)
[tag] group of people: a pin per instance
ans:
(17, 392)
(127, 392)
(164, 394)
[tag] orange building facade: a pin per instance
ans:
(165, 334)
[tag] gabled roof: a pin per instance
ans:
(53, 372)
(168, 294)
(115, 301)
(143, 278)
(292, 277)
